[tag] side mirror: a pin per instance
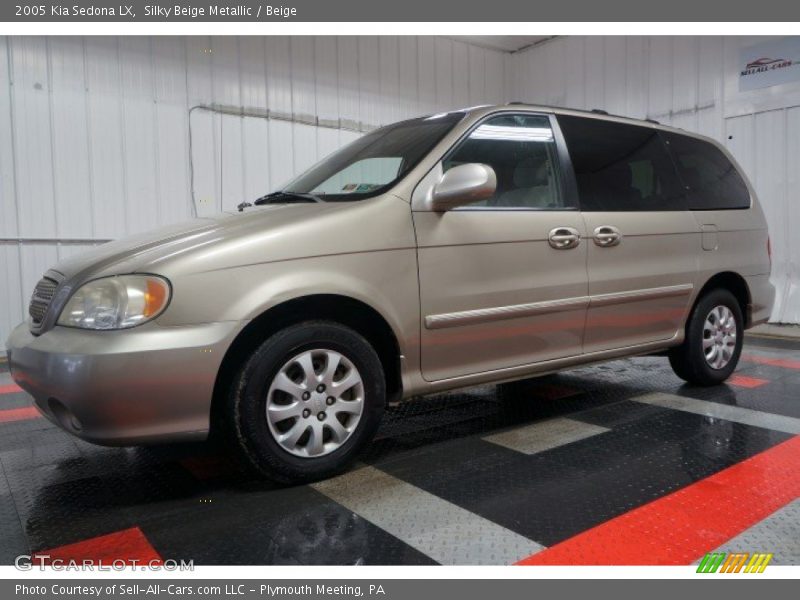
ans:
(462, 185)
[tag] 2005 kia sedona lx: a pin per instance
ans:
(484, 245)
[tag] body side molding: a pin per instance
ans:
(500, 313)
(638, 295)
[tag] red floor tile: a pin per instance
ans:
(746, 382)
(786, 363)
(679, 528)
(10, 389)
(19, 414)
(129, 545)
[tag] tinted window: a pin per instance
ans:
(710, 178)
(621, 167)
(523, 154)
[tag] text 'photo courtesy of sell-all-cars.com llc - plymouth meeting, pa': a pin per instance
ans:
(484, 245)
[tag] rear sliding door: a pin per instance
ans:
(643, 241)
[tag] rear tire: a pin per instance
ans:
(713, 343)
(306, 401)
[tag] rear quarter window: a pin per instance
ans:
(621, 167)
(711, 180)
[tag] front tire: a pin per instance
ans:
(713, 344)
(307, 401)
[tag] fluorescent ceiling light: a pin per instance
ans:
(512, 134)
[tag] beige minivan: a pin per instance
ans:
(470, 247)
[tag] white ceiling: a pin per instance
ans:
(506, 43)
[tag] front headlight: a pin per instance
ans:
(116, 302)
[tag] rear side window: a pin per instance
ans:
(711, 180)
(621, 167)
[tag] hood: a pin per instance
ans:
(259, 234)
(110, 253)
(139, 250)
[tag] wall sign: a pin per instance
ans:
(769, 63)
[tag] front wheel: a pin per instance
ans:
(714, 336)
(306, 401)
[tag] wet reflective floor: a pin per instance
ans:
(619, 463)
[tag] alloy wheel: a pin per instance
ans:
(719, 337)
(314, 403)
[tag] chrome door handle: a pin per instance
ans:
(606, 236)
(564, 238)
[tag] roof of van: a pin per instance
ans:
(482, 110)
(595, 112)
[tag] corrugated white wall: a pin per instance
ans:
(692, 83)
(100, 137)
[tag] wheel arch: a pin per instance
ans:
(345, 310)
(734, 283)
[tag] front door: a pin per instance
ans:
(503, 282)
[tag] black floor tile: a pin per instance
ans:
(780, 397)
(55, 514)
(14, 542)
(274, 526)
(56, 490)
(553, 495)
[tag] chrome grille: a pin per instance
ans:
(40, 301)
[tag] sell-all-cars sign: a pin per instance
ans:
(769, 63)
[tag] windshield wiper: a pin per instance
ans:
(284, 196)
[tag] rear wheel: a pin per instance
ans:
(306, 401)
(714, 335)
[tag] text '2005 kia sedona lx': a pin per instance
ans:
(476, 246)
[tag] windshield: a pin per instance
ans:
(373, 162)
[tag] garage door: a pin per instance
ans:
(767, 145)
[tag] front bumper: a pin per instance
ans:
(140, 385)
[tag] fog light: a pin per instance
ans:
(63, 415)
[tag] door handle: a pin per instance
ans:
(606, 236)
(564, 238)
